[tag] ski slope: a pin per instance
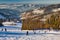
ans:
(31, 37)
(15, 33)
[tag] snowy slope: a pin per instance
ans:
(15, 33)
(32, 37)
(41, 37)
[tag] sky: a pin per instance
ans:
(31, 1)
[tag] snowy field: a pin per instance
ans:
(40, 37)
(31, 37)
(15, 33)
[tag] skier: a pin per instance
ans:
(27, 33)
(5, 29)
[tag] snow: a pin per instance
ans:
(40, 37)
(33, 37)
(15, 33)
(36, 11)
(55, 10)
(2, 17)
(8, 23)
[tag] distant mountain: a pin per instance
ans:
(14, 10)
(9, 13)
(49, 8)
(54, 6)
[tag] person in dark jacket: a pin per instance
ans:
(5, 29)
(1, 24)
(27, 33)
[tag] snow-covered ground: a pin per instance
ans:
(15, 33)
(41, 37)
(32, 37)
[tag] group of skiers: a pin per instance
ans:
(1, 25)
(28, 32)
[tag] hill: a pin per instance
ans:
(49, 18)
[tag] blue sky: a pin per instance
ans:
(31, 1)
